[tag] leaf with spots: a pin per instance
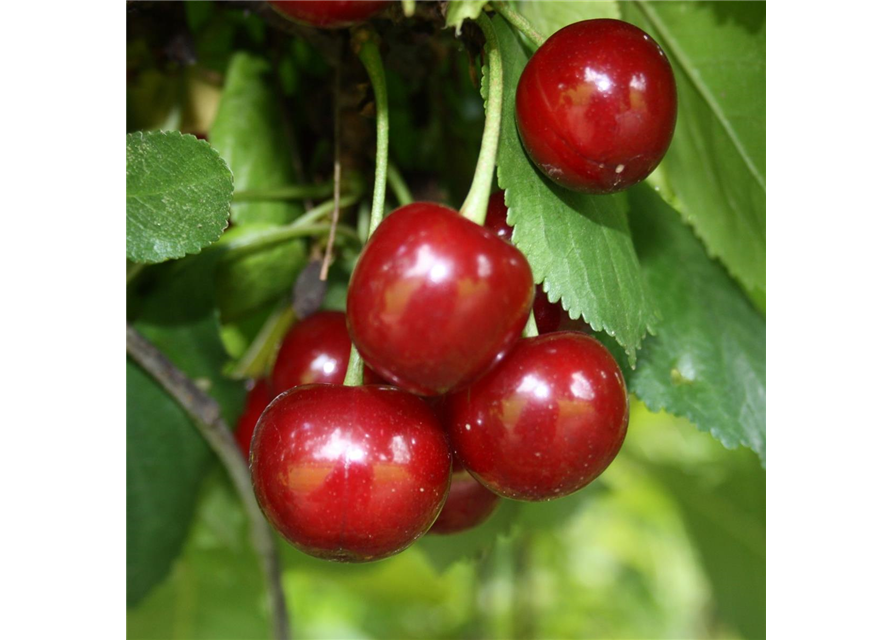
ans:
(708, 359)
(578, 244)
(178, 195)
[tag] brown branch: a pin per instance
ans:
(205, 412)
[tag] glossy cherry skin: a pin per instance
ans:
(436, 300)
(468, 504)
(545, 422)
(547, 314)
(596, 106)
(329, 14)
(350, 474)
(315, 351)
(257, 399)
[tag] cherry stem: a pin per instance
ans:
(475, 206)
(530, 330)
(366, 42)
(256, 360)
(398, 186)
(303, 226)
(336, 174)
(205, 413)
(519, 22)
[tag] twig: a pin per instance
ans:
(398, 186)
(205, 412)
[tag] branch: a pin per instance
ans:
(205, 412)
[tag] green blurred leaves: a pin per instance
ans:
(248, 132)
(578, 244)
(178, 195)
(707, 361)
(549, 17)
(166, 457)
(716, 165)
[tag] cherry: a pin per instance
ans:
(436, 300)
(547, 314)
(350, 474)
(259, 396)
(596, 106)
(468, 504)
(545, 422)
(315, 351)
(329, 14)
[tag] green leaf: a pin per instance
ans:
(249, 281)
(578, 244)
(459, 10)
(708, 359)
(215, 590)
(549, 17)
(166, 457)
(178, 195)
(248, 132)
(716, 165)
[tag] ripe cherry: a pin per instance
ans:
(469, 504)
(545, 422)
(315, 351)
(596, 106)
(329, 14)
(436, 300)
(350, 474)
(547, 314)
(259, 396)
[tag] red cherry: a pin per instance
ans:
(548, 315)
(468, 504)
(596, 106)
(436, 300)
(546, 421)
(350, 474)
(259, 396)
(329, 14)
(315, 351)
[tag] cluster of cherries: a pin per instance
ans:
(457, 409)
(436, 307)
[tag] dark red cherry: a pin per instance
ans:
(350, 474)
(548, 315)
(315, 351)
(329, 14)
(596, 106)
(468, 504)
(545, 422)
(436, 300)
(259, 396)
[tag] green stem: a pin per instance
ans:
(303, 226)
(255, 362)
(519, 22)
(398, 186)
(475, 206)
(530, 330)
(408, 8)
(371, 59)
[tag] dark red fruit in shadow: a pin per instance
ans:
(436, 300)
(350, 474)
(257, 399)
(545, 422)
(315, 351)
(547, 315)
(596, 106)
(329, 14)
(469, 504)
